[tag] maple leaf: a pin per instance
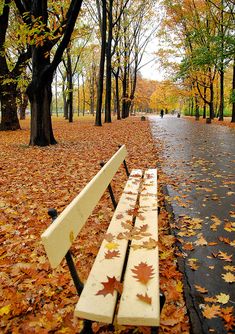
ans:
(200, 289)
(144, 298)
(111, 245)
(229, 277)
(143, 228)
(224, 256)
(150, 244)
(201, 241)
(229, 268)
(143, 272)
(222, 298)
(212, 311)
(112, 254)
(109, 287)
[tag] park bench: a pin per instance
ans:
(128, 253)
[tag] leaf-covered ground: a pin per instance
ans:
(34, 298)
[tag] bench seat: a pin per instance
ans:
(89, 304)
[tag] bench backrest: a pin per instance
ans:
(59, 236)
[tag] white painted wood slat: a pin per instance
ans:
(98, 307)
(58, 237)
(133, 311)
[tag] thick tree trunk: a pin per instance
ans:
(8, 92)
(9, 119)
(41, 127)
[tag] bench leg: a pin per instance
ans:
(162, 300)
(87, 327)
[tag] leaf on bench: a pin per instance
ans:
(110, 286)
(112, 254)
(109, 237)
(143, 272)
(144, 298)
(111, 245)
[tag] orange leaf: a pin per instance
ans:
(200, 289)
(109, 286)
(143, 272)
(112, 254)
(224, 256)
(146, 299)
(212, 311)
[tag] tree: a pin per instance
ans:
(103, 28)
(10, 70)
(35, 13)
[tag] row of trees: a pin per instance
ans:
(42, 40)
(201, 33)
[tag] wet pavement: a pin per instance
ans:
(199, 163)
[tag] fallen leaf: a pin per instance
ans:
(112, 254)
(143, 272)
(109, 287)
(229, 277)
(212, 311)
(200, 289)
(145, 298)
(222, 298)
(111, 245)
(5, 309)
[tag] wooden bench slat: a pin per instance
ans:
(59, 236)
(98, 307)
(133, 311)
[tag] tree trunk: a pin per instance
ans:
(109, 65)
(197, 115)
(8, 92)
(23, 105)
(117, 95)
(204, 104)
(70, 86)
(66, 110)
(78, 95)
(41, 127)
(233, 93)
(98, 120)
(221, 107)
(9, 119)
(83, 95)
(211, 103)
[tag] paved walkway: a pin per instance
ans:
(199, 161)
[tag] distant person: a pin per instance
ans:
(162, 113)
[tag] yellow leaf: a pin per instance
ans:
(111, 245)
(229, 277)
(179, 286)
(5, 309)
(222, 298)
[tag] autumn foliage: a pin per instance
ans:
(34, 298)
